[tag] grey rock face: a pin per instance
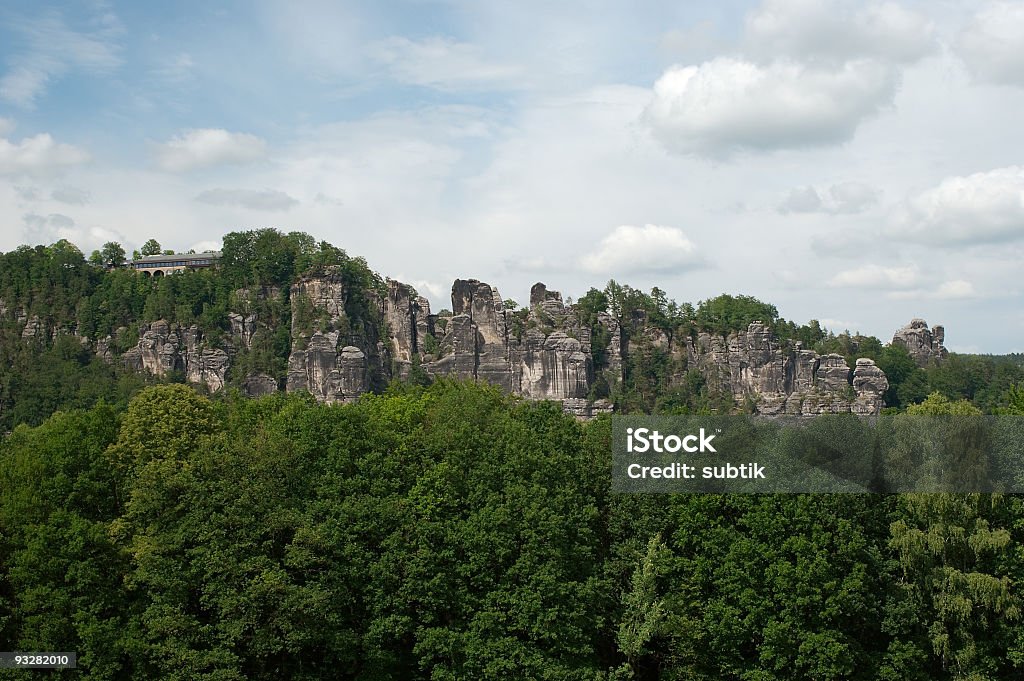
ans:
(408, 321)
(257, 385)
(870, 384)
(165, 347)
(549, 358)
(923, 344)
(753, 365)
(329, 374)
(554, 367)
(334, 357)
(483, 305)
(103, 349)
(34, 328)
(243, 327)
(543, 353)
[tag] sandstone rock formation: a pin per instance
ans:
(923, 344)
(408, 321)
(34, 328)
(334, 357)
(346, 341)
(754, 365)
(243, 327)
(330, 374)
(164, 347)
(257, 385)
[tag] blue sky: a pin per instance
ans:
(855, 162)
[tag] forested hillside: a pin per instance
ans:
(442, 529)
(453, 532)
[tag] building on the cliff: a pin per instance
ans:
(160, 265)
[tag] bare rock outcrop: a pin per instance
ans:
(752, 365)
(408, 322)
(329, 374)
(104, 350)
(34, 329)
(924, 345)
(257, 385)
(870, 384)
(335, 357)
(243, 328)
(164, 347)
(546, 357)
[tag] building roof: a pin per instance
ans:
(187, 257)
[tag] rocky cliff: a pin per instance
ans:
(753, 365)
(346, 339)
(923, 344)
(336, 352)
(165, 347)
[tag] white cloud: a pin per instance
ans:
(838, 31)
(70, 195)
(801, 200)
(38, 156)
(435, 292)
(984, 207)
(204, 147)
(533, 263)
(6, 126)
(726, 105)
(651, 248)
(842, 198)
(444, 64)
(264, 199)
(207, 245)
(838, 325)
(991, 44)
(53, 51)
(46, 229)
(876, 277)
(853, 197)
(956, 289)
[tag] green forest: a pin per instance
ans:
(445, 530)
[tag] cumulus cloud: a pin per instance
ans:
(39, 155)
(838, 31)
(263, 199)
(444, 64)
(46, 229)
(52, 51)
(985, 207)
(727, 104)
(6, 126)
(842, 198)
(204, 147)
(956, 289)
(877, 277)
(991, 44)
(647, 249)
